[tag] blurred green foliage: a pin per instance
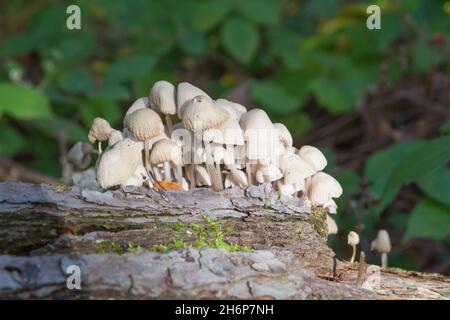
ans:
(55, 80)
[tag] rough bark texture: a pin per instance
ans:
(138, 243)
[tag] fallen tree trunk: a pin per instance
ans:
(138, 243)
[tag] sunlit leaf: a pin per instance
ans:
(22, 102)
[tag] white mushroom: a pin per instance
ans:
(313, 156)
(284, 138)
(119, 163)
(115, 137)
(295, 170)
(144, 124)
(332, 227)
(230, 180)
(168, 152)
(322, 188)
(202, 177)
(185, 93)
(100, 131)
(266, 172)
(80, 155)
(162, 100)
(382, 244)
(259, 138)
(353, 240)
(235, 110)
(139, 177)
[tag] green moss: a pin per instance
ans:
(210, 234)
(318, 219)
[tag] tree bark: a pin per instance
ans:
(138, 243)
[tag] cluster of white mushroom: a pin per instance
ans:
(217, 143)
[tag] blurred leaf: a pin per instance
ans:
(240, 38)
(51, 127)
(425, 56)
(11, 141)
(104, 108)
(436, 185)
(297, 123)
(193, 43)
(273, 98)
(77, 81)
(129, 68)
(430, 155)
(285, 45)
(265, 12)
(18, 45)
(429, 219)
(23, 102)
(445, 128)
(209, 13)
(111, 92)
(331, 159)
(349, 181)
(296, 84)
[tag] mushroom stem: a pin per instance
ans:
(99, 147)
(219, 176)
(384, 260)
(248, 169)
(167, 175)
(361, 269)
(156, 172)
(146, 156)
(352, 259)
(179, 174)
(169, 124)
(212, 171)
(192, 169)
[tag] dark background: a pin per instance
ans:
(376, 102)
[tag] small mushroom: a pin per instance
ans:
(100, 131)
(322, 188)
(202, 177)
(168, 152)
(332, 227)
(115, 137)
(235, 110)
(353, 240)
(382, 244)
(80, 155)
(119, 163)
(162, 100)
(144, 124)
(284, 137)
(139, 178)
(231, 181)
(185, 93)
(313, 156)
(267, 172)
(295, 170)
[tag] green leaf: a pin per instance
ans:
(72, 130)
(427, 157)
(297, 123)
(129, 68)
(267, 12)
(349, 181)
(11, 141)
(111, 92)
(445, 128)
(241, 39)
(429, 219)
(22, 102)
(77, 81)
(273, 98)
(209, 13)
(436, 185)
(193, 43)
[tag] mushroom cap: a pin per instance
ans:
(322, 188)
(115, 137)
(140, 103)
(331, 225)
(119, 163)
(185, 93)
(201, 114)
(162, 98)
(294, 163)
(100, 130)
(234, 109)
(166, 151)
(229, 132)
(267, 173)
(80, 155)
(284, 134)
(353, 238)
(287, 190)
(230, 181)
(382, 243)
(313, 156)
(259, 134)
(144, 124)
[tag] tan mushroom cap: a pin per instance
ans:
(119, 163)
(185, 93)
(229, 132)
(166, 151)
(382, 243)
(100, 130)
(144, 124)
(115, 137)
(313, 156)
(162, 98)
(202, 114)
(140, 103)
(353, 238)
